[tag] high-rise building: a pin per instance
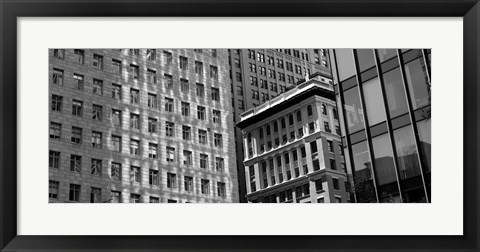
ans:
(385, 101)
(259, 75)
(293, 146)
(140, 125)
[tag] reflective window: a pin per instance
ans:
(385, 54)
(384, 169)
(374, 102)
(418, 83)
(397, 103)
(365, 59)
(363, 181)
(346, 68)
(353, 110)
(425, 136)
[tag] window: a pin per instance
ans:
(134, 147)
(216, 116)
(134, 71)
(184, 87)
(200, 88)
(330, 145)
(205, 186)
(275, 126)
(97, 87)
(53, 189)
(117, 66)
(117, 143)
(311, 127)
(153, 177)
(217, 140)
(168, 81)
(200, 113)
(167, 58)
(290, 120)
(152, 150)
(76, 135)
(134, 52)
(260, 57)
(152, 125)
(187, 157)
(134, 174)
(116, 197)
(152, 100)
(215, 94)
(57, 103)
(333, 165)
(418, 83)
(186, 132)
(188, 183)
(55, 129)
(214, 52)
(74, 193)
(354, 116)
(95, 195)
(337, 130)
(116, 117)
(335, 114)
(59, 53)
(171, 201)
(151, 54)
(203, 161)
(169, 129)
(263, 71)
(202, 136)
(241, 104)
(151, 76)
(198, 67)
(252, 67)
(219, 164)
(327, 127)
(185, 108)
(251, 54)
(97, 112)
(98, 61)
(221, 191)
(134, 96)
(116, 92)
(115, 171)
(168, 104)
(134, 121)
(373, 105)
(255, 95)
(134, 198)
(271, 73)
(183, 63)
(79, 56)
(170, 154)
(283, 123)
(335, 183)
(171, 180)
(154, 199)
(78, 81)
(238, 76)
(313, 147)
(273, 87)
(298, 69)
(263, 84)
(96, 167)
(54, 159)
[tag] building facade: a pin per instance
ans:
(259, 75)
(385, 101)
(294, 152)
(140, 125)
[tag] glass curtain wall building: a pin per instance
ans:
(384, 99)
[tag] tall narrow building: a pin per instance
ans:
(259, 75)
(140, 125)
(293, 155)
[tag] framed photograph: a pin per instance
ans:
(233, 108)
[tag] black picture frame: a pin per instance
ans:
(11, 10)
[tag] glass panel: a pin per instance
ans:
(365, 59)
(363, 180)
(353, 110)
(418, 84)
(374, 102)
(424, 134)
(397, 103)
(385, 54)
(408, 166)
(385, 170)
(346, 68)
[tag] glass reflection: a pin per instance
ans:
(395, 92)
(384, 169)
(374, 102)
(346, 68)
(365, 59)
(353, 110)
(385, 54)
(363, 180)
(418, 83)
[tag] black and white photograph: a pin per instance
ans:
(248, 125)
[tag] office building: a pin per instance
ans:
(384, 100)
(259, 75)
(293, 147)
(140, 125)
